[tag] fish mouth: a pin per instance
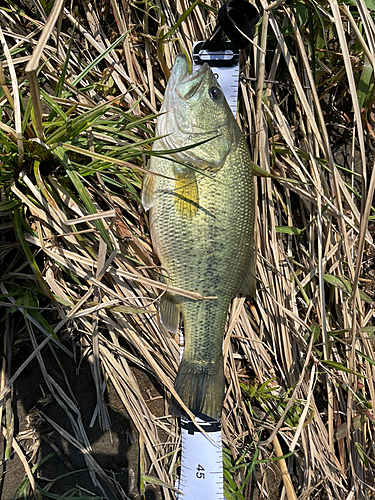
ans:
(182, 86)
(187, 85)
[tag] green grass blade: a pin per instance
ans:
(98, 59)
(82, 191)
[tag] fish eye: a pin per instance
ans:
(214, 93)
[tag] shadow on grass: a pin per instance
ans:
(116, 452)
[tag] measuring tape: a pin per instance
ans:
(201, 475)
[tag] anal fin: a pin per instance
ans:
(169, 312)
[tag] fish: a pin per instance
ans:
(199, 190)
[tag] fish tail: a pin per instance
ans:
(201, 388)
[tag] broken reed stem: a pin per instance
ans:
(291, 494)
(23, 460)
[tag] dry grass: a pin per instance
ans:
(300, 363)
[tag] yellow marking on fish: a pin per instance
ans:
(186, 192)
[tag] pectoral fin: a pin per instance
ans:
(249, 283)
(186, 192)
(169, 312)
(148, 191)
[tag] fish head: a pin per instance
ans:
(195, 111)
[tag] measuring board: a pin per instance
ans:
(225, 67)
(201, 476)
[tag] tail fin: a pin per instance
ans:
(201, 388)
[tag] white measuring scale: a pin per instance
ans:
(201, 476)
(225, 66)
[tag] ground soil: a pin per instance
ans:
(117, 452)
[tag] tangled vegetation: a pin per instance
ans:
(80, 88)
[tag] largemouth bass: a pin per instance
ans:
(201, 223)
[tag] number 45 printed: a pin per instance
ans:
(200, 472)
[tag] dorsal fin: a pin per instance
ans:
(249, 284)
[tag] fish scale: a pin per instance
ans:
(202, 219)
